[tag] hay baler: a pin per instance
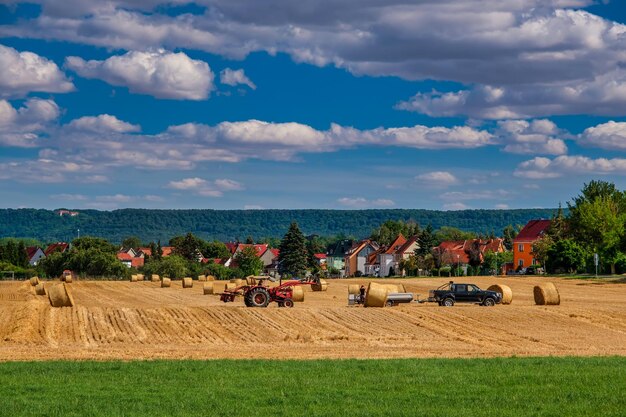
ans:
(261, 295)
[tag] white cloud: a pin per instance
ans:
(69, 197)
(502, 206)
(524, 58)
(610, 135)
(235, 77)
(531, 137)
(23, 72)
(103, 123)
(206, 188)
(21, 127)
(455, 206)
(117, 198)
(360, 202)
(253, 207)
(159, 73)
(545, 168)
(437, 178)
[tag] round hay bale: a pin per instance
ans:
(155, 278)
(376, 295)
(166, 283)
(505, 291)
(354, 289)
(140, 277)
(230, 286)
(59, 296)
(210, 278)
(207, 288)
(187, 282)
(201, 278)
(34, 281)
(40, 289)
(297, 294)
(322, 286)
(546, 295)
(68, 279)
(133, 278)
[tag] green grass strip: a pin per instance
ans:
(413, 387)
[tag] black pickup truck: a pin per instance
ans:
(451, 293)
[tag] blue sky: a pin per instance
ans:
(234, 104)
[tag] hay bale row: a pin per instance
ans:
(40, 289)
(201, 278)
(546, 295)
(376, 295)
(140, 277)
(34, 281)
(210, 278)
(322, 286)
(134, 278)
(155, 278)
(187, 282)
(66, 278)
(166, 283)
(505, 291)
(60, 296)
(207, 288)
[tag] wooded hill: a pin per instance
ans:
(151, 225)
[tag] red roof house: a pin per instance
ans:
(523, 242)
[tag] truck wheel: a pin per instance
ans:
(288, 302)
(448, 302)
(489, 302)
(258, 297)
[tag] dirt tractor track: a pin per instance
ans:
(140, 320)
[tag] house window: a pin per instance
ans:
(520, 247)
(534, 261)
(520, 262)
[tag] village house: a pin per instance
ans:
(357, 257)
(457, 252)
(523, 243)
(56, 247)
(263, 251)
(335, 258)
(35, 254)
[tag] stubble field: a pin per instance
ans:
(140, 320)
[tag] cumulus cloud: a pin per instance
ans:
(23, 72)
(205, 188)
(22, 127)
(360, 202)
(522, 59)
(103, 123)
(544, 168)
(437, 178)
(235, 77)
(610, 135)
(475, 195)
(534, 137)
(158, 73)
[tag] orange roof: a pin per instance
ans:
(59, 246)
(407, 244)
(396, 244)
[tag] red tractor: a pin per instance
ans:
(260, 295)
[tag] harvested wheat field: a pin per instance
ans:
(140, 320)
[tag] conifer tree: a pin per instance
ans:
(292, 260)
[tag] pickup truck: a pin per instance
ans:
(451, 293)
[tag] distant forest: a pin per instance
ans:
(231, 225)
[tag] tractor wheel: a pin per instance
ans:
(288, 302)
(258, 297)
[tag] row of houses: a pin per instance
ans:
(349, 257)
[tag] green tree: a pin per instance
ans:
(292, 260)
(248, 261)
(187, 247)
(158, 255)
(90, 242)
(508, 234)
(566, 255)
(250, 240)
(558, 226)
(173, 266)
(132, 242)
(215, 249)
(447, 233)
(54, 264)
(426, 242)
(21, 257)
(541, 248)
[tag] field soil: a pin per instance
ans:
(141, 320)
